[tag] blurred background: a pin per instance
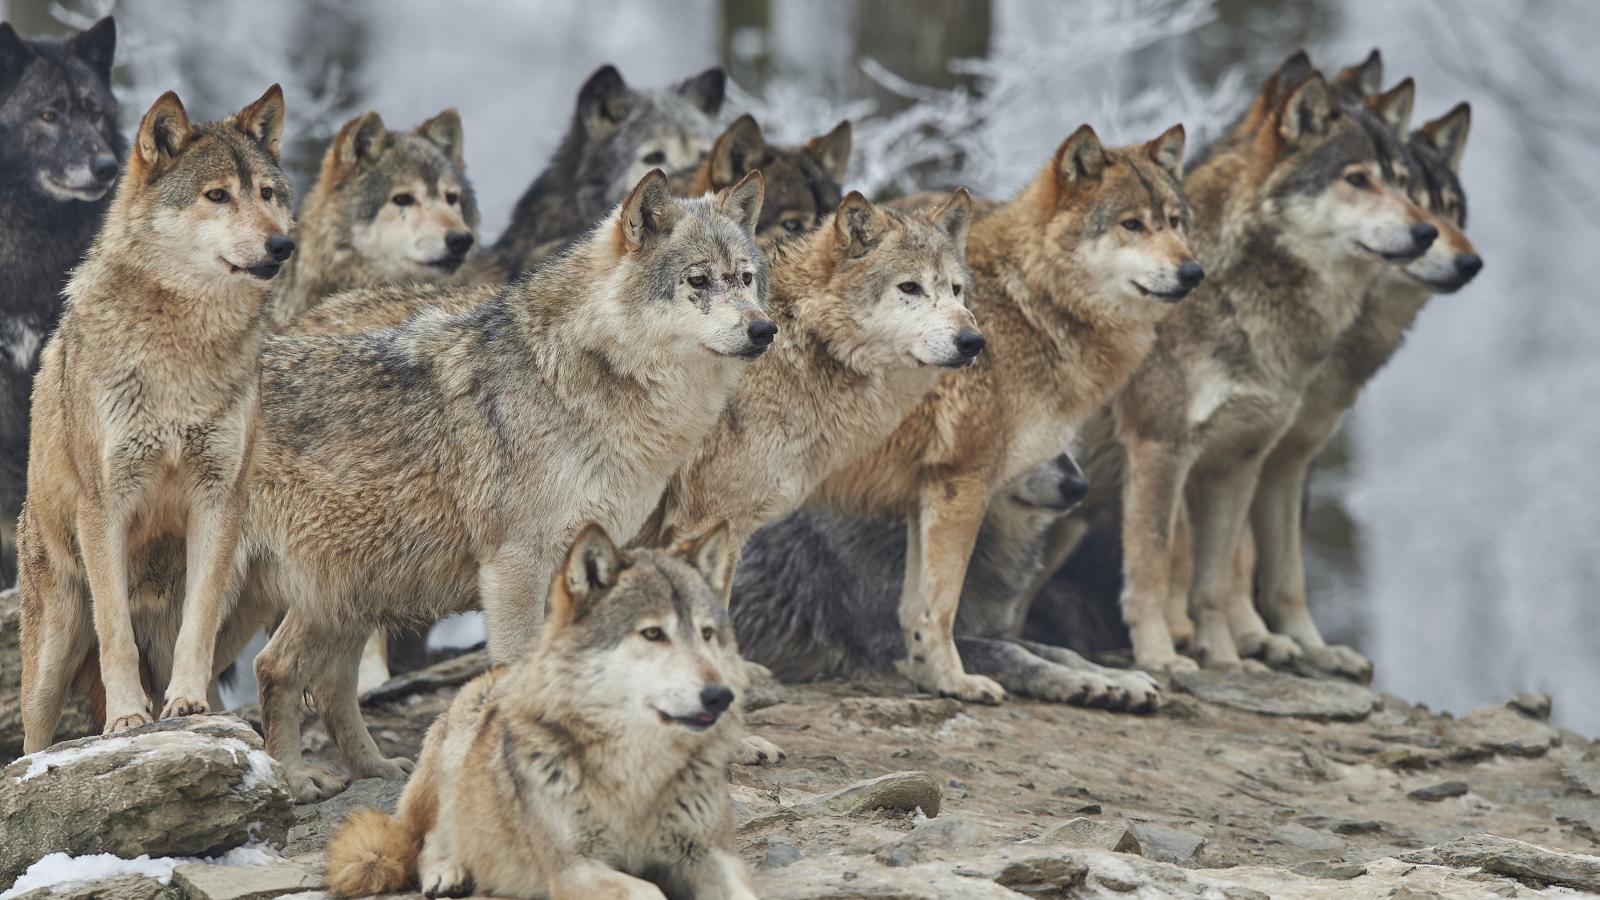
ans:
(1456, 523)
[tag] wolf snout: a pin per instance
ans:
(716, 698)
(1190, 274)
(969, 344)
(1468, 265)
(1422, 234)
(104, 168)
(279, 246)
(761, 331)
(458, 243)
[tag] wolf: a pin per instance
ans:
(389, 207)
(1071, 279)
(590, 767)
(408, 473)
(60, 152)
(145, 413)
(617, 134)
(803, 183)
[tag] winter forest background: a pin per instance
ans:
(1455, 525)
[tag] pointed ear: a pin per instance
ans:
(14, 54)
(1365, 78)
(1289, 75)
(603, 101)
(832, 151)
(706, 90)
(1394, 106)
(647, 211)
(712, 556)
(856, 225)
(1448, 134)
(739, 149)
(1080, 158)
(97, 46)
(263, 120)
(163, 133)
(444, 130)
(1307, 112)
(742, 202)
(954, 218)
(592, 565)
(358, 142)
(1167, 151)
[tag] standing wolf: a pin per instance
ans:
(146, 412)
(59, 155)
(618, 133)
(390, 207)
(590, 767)
(409, 473)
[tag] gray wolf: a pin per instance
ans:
(60, 152)
(803, 183)
(145, 415)
(1071, 277)
(389, 207)
(408, 473)
(617, 134)
(590, 767)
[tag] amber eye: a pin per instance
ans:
(451, 198)
(748, 278)
(217, 195)
(1133, 225)
(910, 288)
(403, 199)
(1358, 180)
(708, 632)
(654, 158)
(653, 634)
(266, 193)
(698, 281)
(49, 115)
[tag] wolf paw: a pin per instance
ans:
(126, 721)
(970, 688)
(392, 768)
(1340, 660)
(448, 880)
(1166, 664)
(755, 751)
(185, 706)
(1181, 627)
(1139, 692)
(309, 784)
(1276, 650)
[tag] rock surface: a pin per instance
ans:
(1276, 694)
(203, 882)
(1518, 859)
(75, 718)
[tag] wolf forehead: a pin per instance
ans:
(1133, 183)
(652, 585)
(1354, 137)
(702, 234)
(54, 75)
(404, 160)
(219, 152)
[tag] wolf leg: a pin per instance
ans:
(1219, 502)
(1250, 633)
(1182, 568)
(103, 537)
(587, 879)
(512, 588)
(333, 684)
(211, 572)
(943, 532)
(439, 873)
(1151, 496)
(55, 637)
(714, 875)
(1028, 674)
(282, 679)
(1143, 691)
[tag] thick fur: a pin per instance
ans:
(618, 133)
(146, 413)
(1069, 277)
(60, 152)
(409, 473)
(803, 183)
(591, 767)
(390, 207)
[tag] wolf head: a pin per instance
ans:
(1052, 488)
(1436, 149)
(802, 182)
(402, 197)
(640, 640)
(205, 203)
(625, 132)
(1117, 220)
(58, 119)
(896, 284)
(687, 271)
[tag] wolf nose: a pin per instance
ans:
(716, 698)
(280, 246)
(1423, 234)
(1074, 487)
(458, 242)
(1190, 273)
(1468, 264)
(969, 343)
(104, 167)
(761, 332)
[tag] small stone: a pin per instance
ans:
(1090, 833)
(1164, 844)
(1515, 859)
(1297, 835)
(1044, 876)
(1499, 730)
(1364, 826)
(1402, 758)
(1583, 774)
(897, 712)
(1332, 871)
(896, 792)
(204, 882)
(1441, 791)
(1093, 809)
(780, 854)
(1276, 694)
(1533, 705)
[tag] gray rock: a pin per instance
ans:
(897, 712)
(780, 854)
(1082, 832)
(932, 836)
(122, 887)
(1276, 694)
(203, 882)
(1358, 826)
(1583, 774)
(75, 719)
(1499, 730)
(316, 823)
(1535, 705)
(1043, 876)
(181, 787)
(1164, 844)
(1332, 871)
(1297, 835)
(1441, 791)
(1516, 859)
(452, 672)
(896, 792)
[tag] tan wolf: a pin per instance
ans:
(146, 412)
(590, 767)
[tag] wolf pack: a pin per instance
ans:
(697, 397)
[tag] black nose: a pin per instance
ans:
(1074, 487)
(762, 331)
(280, 246)
(1423, 234)
(104, 167)
(716, 698)
(1468, 264)
(1190, 274)
(969, 343)
(458, 242)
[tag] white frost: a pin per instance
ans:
(60, 870)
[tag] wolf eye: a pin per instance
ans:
(217, 195)
(1133, 225)
(747, 278)
(403, 199)
(708, 632)
(698, 281)
(1176, 221)
(266, 193)
(910, 287)
(654, 158)
(956, 288)
(1358, 180)
(793, 226)
(653, 634)
(451, 198)
(50, 115)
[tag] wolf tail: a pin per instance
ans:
(372, 853)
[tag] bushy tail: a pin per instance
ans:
(371, 853)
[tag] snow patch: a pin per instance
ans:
(45, 760)
(60, 870)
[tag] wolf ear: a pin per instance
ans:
(263, 120)
(954, 218)
(1448, 134)
(14, 54)
(739, 149)
(97, 46)
(706, 90)
(603, 101)
(647, 211)
(1290, 74)
(1167, 151)
(855, 225)
(832, 150)
(742, 202)
(712, 556)
(1365, 78)
(1307, 112)
(1080, 157)
(359, 141)
(1394, 106)
(444, 130)
(163, 132)
(592, 565)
